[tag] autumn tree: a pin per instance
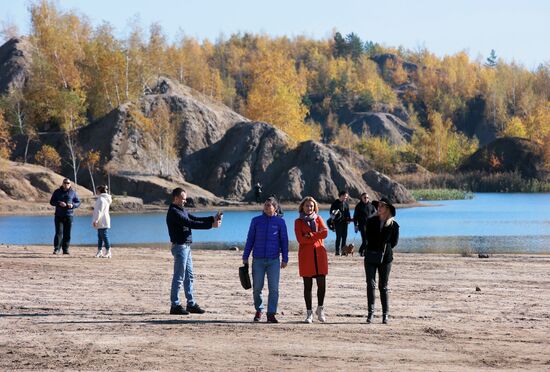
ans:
(440, 147)
(276, 94)
(155, 53)
(514, 128)
(91, 162)
(5, 138)
(48, 157)
(135, 63)
(383, 155)
(345, 138)
(104, 72)
(15, 109)
(55, 90)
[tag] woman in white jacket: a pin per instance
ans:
(101, 220)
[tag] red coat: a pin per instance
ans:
(312, 255)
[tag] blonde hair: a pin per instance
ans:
(306, 199)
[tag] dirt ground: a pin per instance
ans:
(80, 313)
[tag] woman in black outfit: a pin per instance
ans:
(382, 234)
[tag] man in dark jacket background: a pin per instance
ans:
(180, 223)
(363, 211)
(340, 210)
(65, 200)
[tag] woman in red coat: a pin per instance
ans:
(310, 231)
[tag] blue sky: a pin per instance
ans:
(518, 30)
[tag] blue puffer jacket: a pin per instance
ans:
(68, 196)
(267, 238)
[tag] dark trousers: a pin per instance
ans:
(383, 276)
(363, 231)
(341, 230)
(62, 233)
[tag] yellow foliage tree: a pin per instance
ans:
(514, 128)
(345, 137)
(441, 147)
(104, 72)
(5, 138)
(537, 123)
(380, 151)
(276, 94)
(91, 162)
(48, 157)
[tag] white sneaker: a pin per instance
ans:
(320, 314)
(108, 254)
(309, 318)
(99, 254)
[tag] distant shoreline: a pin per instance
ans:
(43, 209)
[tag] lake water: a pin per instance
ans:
(487, 223)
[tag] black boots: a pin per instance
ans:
(370, 314)
(369, 317)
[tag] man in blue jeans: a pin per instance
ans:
(267, 240)
(180, 223)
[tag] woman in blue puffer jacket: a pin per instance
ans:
(267, 240)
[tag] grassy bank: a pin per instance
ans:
(473, 181)
(441, 194)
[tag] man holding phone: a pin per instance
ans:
(180, 224)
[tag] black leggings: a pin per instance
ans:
(308, 285)
(383, 276)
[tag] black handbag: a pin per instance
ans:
(244, 277)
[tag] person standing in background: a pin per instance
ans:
(258, 193)
(65, 201)
(363, 211)
(340, 210)
(101, 220)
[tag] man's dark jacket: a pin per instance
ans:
(180, 223)
(69, 197)
(344, 216)
(363, 211)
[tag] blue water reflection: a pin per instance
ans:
(502, 222)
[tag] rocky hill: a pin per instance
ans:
(14, 64)
(257, 152)
(509, 154)
(382, 124)
(219, 155)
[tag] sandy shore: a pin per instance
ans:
(80, 313)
